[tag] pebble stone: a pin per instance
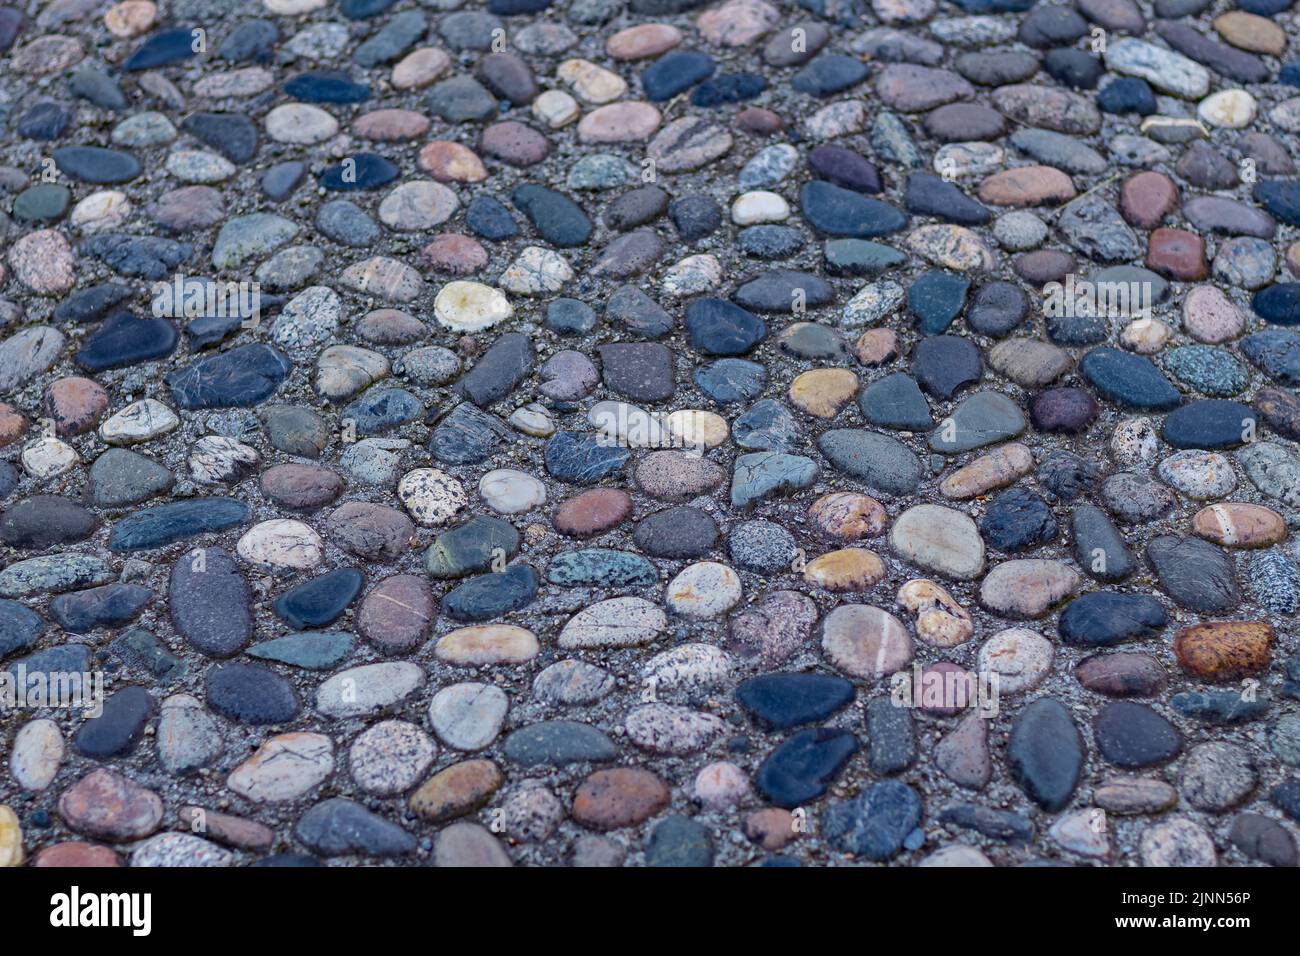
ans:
(604, 462)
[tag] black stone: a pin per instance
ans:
(1132, 735)
(684, 532)
(802, 768)
(1046, 753)
(251, 694)
(118, 729)
(782, 701)
(944, 364)
(321, 600)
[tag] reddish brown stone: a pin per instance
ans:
(1281, 409)
(1121, 675)
(390, 327)
(225, 828)
(12, 424)
(397, 614)
(301, 486)
(755, 119)
(1027, 186)
(1178, 254)
(643, 41)
(1146, 198)
(515, 144)
(391, 125)
(771, 828)
(456, 790)
(1223, 651)
(593, 512)
(622, 797)
(877, 346)
(75, 404)
(1044, 265)
(107, 805)
(76, 855)
(454, 253)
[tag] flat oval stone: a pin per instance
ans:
(251, 694)
(1194, 573)
(1132, 735)
(803, 767)
(1046, 753)
(209, 602)
(1224, 651)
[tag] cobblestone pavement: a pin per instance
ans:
(644, 432)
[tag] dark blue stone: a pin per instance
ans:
(994, 6)
(364, 9)
(47, 120)
(931, 196)
(1220, 707)
(896, 401)
(728, 88)
(319, 601)
(175, 520)
(381, 409)
(770, 241)
(836, 211)
(1017, 520)
(782, 701)
(1128, 94)
(558, 219)
(1074, 68)
(935, 298)
(20, 627)
(997, 309)
(162, 49)
(326, 86)
(72, 660)
(676, 71)
(1132, 735)
(124, 340)
(1106, 618)
(467, 435)
(768, 426)
(719, 327)
(580, 458)
(1046, 753)
(511, 8)
(1281, 198)
(570, 317)
(1279, 304)
(1210, 423)
(339, 826)
(1275, 351)
(803, 767)
(678, 841)
(506, 363)
(11, 24)
(282, 179)
(362, 171)
(118, 729)
(731, 380)
(251, 694)
(1265, 8)
(492, 595)
(875, 824)
(232, 135)
(148, 257)
(95, 164)
(829, 74)
(91, 305)
(243, 376)
(945, 364)
(490, 219)
(1290, 73)
(1130, 380)
(251, 42)
(106, 606)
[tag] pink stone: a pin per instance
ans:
(628, 122)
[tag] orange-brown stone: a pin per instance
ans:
(1223, 651)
